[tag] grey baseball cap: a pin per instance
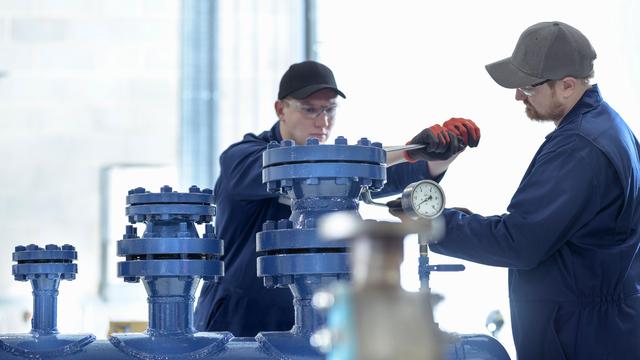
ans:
(545, 51)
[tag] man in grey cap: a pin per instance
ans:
(306, 107)
(571, 233)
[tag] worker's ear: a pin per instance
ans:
(279, 107)
(567, 87)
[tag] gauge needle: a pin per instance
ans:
(425, 200)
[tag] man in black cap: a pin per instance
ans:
(570, 236)
(306, 107)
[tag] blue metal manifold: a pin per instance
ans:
(285, 163)
(44, 268)
(318, 179)
(170, 259)
(170, 246)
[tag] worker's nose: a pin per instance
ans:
(520, 96)
(322, 121)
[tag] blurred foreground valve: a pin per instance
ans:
(374, 318)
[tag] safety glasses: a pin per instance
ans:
(530, 90)
(313, 112)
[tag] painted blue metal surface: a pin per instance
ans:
(424, 269)
(319, 179)
(295, 344)
(170, 319)
(44, 268)
(286, 163)
(476, 347)
(287, 151)
(170, 258)
(170, 245)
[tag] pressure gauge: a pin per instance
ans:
(423, 199)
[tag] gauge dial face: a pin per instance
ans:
(427, 199)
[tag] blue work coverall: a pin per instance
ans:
(240, 303)
(570, 240)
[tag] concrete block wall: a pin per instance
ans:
(86, 83)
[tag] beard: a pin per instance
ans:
(555, 112)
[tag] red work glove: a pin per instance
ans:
(440, 144)
(466, 129)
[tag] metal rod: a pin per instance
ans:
(365, 194)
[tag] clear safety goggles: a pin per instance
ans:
(530, 90)
(313, 112)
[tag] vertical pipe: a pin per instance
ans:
(104, 182)
(198, 149)
(310, 30)
(423, 261)
(45, 305)
(171, 302)
(307, 318)
(423, 269)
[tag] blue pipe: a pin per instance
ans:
(44, 268)
(45, 299)
(319, 179)
(171, 258)
(171, 306)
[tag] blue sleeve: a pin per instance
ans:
(558, 195)
(401, 175)
(241, 171)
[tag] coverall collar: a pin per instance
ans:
(590, 99)
(275, 132)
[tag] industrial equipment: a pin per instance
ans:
(318, 179)
(363, 316)
(44, 268)
(382, 320)
(170, 258)
(423, 199)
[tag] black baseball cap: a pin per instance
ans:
(545, 51)
(306, 78)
